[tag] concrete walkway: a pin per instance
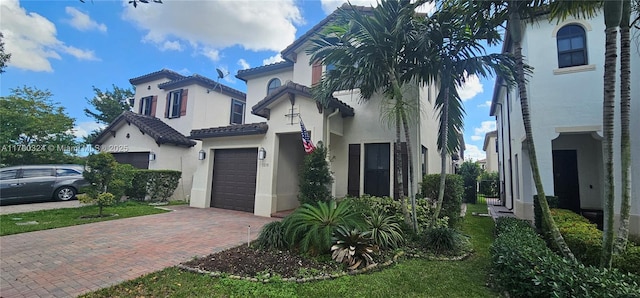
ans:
(67, 262)
(10, 209)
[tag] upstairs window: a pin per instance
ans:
(173, 104)
(237, 112)
(273, 85)
(572, 46)
(145, 105)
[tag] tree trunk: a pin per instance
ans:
(412, 196)
(398, 168)
(444, 130)
(515, 24)
(625, 143)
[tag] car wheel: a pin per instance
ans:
(65, 193)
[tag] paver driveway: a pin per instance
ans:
(69, 261)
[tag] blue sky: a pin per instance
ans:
(68, 46)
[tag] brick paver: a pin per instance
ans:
(69, 261)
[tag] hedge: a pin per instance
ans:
(537, 211)
(523, 266)
(156, 185)
(453, 191)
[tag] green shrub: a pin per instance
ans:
(122, 180)
(443, 240)
(469, 171)
(629, 261)
(523, 266)
(489, 184)
(452, 201)
(537, 212)
(310, 227)
(315, 177)
(385, 230)
(272, 236)
(138, 189)
(107, 180)
(391, 207)
(352, 247)
(157, 185)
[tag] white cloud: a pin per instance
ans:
(485, 127)
(171, 46)
(243, 64)
(31, 39)
(83, 129)
(215, 25)
(212, 54)
(476, 138)
(184, 72)
(473, 153)
(470, 88)
(272, 59)
(328, 6)
(82, 21)
(486, 104)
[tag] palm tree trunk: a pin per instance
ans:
(444, 128)
(515, 27)
(612, 18)
(412, 196)
(399, 178)
(625, 143)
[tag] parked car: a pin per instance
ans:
(40, 183)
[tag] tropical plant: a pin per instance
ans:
(443, 240)
(315, 177)
(100, 173)
(272, 236)
(384, 230)
(452, 200)
(470, 171)
(310, 227)
(370, 51)
(352, 247)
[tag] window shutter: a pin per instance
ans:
(168, 106)
(183, 102)
(316, 73)
(154, 103)
(141, 104)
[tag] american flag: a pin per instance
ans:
(306, 141)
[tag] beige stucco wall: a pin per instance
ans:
(491, 164)
(168, 157)
(257, 90)
(302, 68)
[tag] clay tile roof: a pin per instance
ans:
(231, 130)
(152, 126)
(207, 82)
(261, 108)
(244, 74)
(163, 73)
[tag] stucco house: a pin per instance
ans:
(166, 107)
(490, 163)
(565, 97)
(254, 167)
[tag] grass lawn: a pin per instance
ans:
(409, 278)
(58, 218)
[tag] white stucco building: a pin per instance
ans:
(565, 96)
(491, 151)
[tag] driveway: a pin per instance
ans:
(67, 262)
(9, 209)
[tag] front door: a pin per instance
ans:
(376, 170)
(565, 179)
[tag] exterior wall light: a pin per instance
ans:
(152, 156)
(202, 155)
(262, 154)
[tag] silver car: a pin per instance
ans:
(40, 183)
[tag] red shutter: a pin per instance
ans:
(316, 73)
(154, 103)
(166, 108)
(183, 102)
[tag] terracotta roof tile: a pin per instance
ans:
(243, 74)
(163, 73)
(161, 132)
(231, 130)
(207, 82)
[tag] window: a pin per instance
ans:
(273, 85)
(131, 101)
(237, 112)
(32, 173)
(145, 105)
(376, 169)
(330, 67)
(174, 103)
(9, 174)
(572, 49)
(67, 172)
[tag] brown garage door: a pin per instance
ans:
(234, 179)
(139, 160)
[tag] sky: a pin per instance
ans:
(67, 47)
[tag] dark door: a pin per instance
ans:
(139, 160)
(353, 180)
(565, 179)
(234, 179)
(376, 169)
(37, 183)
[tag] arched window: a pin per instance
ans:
(572, 46)
(273, 85)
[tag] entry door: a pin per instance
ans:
(565, 179)
(376, 171)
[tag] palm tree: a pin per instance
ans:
(369, 52)
(454, 52)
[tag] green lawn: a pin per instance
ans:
(58, 218)
(409, 278)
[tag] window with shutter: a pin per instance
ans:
(237, 112)
(174, 104)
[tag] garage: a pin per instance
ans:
(234, 179)
(139, 160)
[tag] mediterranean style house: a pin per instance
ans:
(166, 107)
(254, 167)
(565, 96)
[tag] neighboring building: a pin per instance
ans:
(491, 151)
(482, 163)
(166, 107)
(254, 167)
(565, 98)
